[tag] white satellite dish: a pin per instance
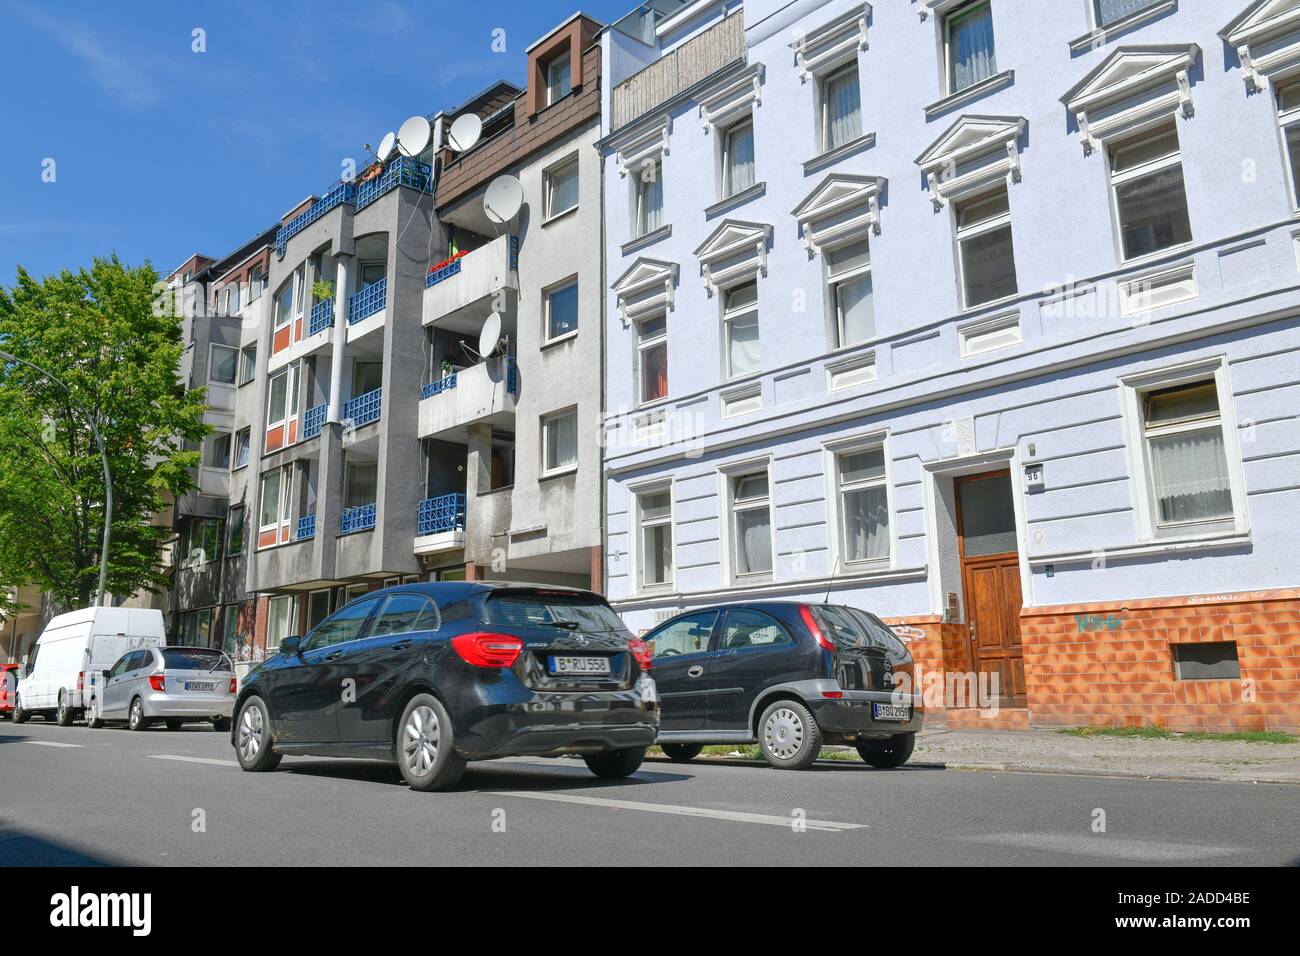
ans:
(413, 135)
(386, 147)
(504, 196)
(465, 132)
(489, 340)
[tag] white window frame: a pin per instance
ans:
(636, 547)
(256, 285)
(726, 188)
(1146, 509)
(546, 422)
(547, 295)
(1115, 180)
(728, 318)
(565, 58)
(569, 164)
(284, 502)
(279, 321)
(1094, 15)
(212, 351)
(291, 621)
(832, 452)
(640, 186)
(823, 81)
(289, 412)
(643, 345)
(949, 65)
(299, 284)
(961, 234)
(211, 448)
(1285, 120)
(728, 476)
(243, 438)
(247, 363)
(833, 283)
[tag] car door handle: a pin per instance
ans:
(333, 657)
(402, 645)
(695, 670)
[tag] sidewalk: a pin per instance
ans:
(1047, 751)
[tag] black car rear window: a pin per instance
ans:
(533, 610)
(852, 627)
(193, 659)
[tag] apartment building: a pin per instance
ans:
(977, 317)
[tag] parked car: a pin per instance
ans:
(172, 684)
(8, 688)
(431, 676)
(76, 644)
(790, 676)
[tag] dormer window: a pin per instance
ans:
(559, 78)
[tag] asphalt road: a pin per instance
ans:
(74, 796)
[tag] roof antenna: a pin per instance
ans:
(830, 583)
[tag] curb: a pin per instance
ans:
(1126, 774)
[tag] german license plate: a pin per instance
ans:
(578, 665)
(891, 712)
(200, 685)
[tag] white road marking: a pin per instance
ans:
(210, 760)
(52, 743)
(706, 812)
(1102, 845)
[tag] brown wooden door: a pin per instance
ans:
(990, 562)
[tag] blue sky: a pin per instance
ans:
(160, 151)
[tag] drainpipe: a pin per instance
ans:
(341, 293)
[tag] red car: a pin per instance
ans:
(8, 688)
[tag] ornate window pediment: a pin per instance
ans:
(841, 207)
(974, 152)
(833, 43)
(733, 250)
(649, 144)
(645, 288)
(732, 98)
(1266, 36)
(1131, 86)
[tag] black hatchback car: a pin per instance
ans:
(434, 675)
(791, 677)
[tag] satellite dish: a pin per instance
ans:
(504, 196)
(413, 136)
(465, 132)
(489, 340)
(386, 147)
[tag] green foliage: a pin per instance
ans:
(101, 331)
(323, 290)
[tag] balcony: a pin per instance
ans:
(482, 394)
(678, 70)
(440, 523)
(358, 518)
(364, 409)
(306, 528)
(402, 171)
(322, 317)
(368, 301)
(466, 286)
(339, 194)
(312, 421)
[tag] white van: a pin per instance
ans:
(76, 645)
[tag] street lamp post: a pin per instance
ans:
(103, 454)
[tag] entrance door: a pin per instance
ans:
(990, 564)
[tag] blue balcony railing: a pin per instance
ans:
(312, 420)
(440, 513)
(440, 386)
(306, 528)
(368, 301)
(360, 518)
(402, 171)
(364, 409)
(453, 268)
(339, 194)
(322, 317)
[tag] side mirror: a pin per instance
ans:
(104, 674)
(289, 646)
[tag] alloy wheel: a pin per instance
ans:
(784, 733)
(137, 713)
(250, 733)
(422, 735)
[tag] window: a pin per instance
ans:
(562, 188)
(222, 362)
(195, 629)
(354, 591)
(738, 158)
(649, 212)
(403, 613)
(282, 396)
(688, 634)
(562, 310)
(247, 364)
(235, 529)
(299, 277)
(559, 81)
(281, 621)
(243, 438)
(1183, 434)
(560, 441)
(1146, 176)
(318, 607)
(984, 255)
(751, 524)
(749, 628)
(256, 283)
(1288, 116)
(968, 42)
(372, 272)
(229, 628)
(1112, 11)
(232, 298)
(344, 626)
(201, 541)
(864, 505)
(848, 274)
(652, 358)
(740, 330)
(655, 509)
(277, 495)
(1215, 660)
(219, 452)
(840, 109)
(362, 484)
(284, 305)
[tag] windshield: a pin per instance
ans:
(534, 610)
(193, 659)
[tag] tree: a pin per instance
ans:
(118, 349)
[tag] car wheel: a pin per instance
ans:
(426, 745)
(613, 764)
(20, 715)
(175, 724)
(135, 718)
(789, 736)
(94, 723)
(682, 752)
(221, 724)
(63, 716)
(253, 739)
(891, 752)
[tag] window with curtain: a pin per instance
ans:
(841, 107)
(649, 198)
(751, 517)
(970, 45)
(864, 505)
(740, 330)
(1288, 117)
(562, 310)
(1185, 451)
(848, 274)
(738, 158)
(656, 510)
(242, 442)
(652, 358)
(362, 484)
(1112, 11)
(1146, 174)
(985, 255)
(560, 434)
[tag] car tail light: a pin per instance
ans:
(642, 652)
(81, 680)
(833, 694)
(810, 621)
(484, 649)
(156, 682)
(233, 685)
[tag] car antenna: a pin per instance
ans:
(830, 583)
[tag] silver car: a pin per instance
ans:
(172, 684)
